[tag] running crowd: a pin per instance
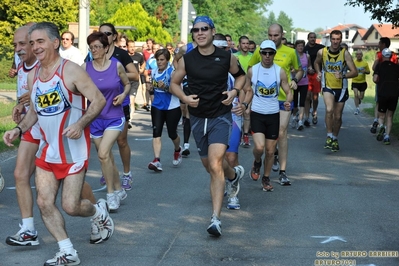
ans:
(222, 95)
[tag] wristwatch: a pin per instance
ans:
(246, 105)
(295, 80)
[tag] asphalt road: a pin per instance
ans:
(340, 208)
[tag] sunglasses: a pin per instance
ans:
(203, 29)
(269, 53)
(95, 47)
(107, 33)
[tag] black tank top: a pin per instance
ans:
(207, 78)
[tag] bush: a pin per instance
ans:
(5, 66)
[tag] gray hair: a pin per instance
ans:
(51, 29)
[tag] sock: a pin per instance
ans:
(258, 163)
(27, 223)
(186, 146)
(375, 119)
(178, 150)
(157, 159)
(334, 137)
(282, 171)
(127, 174)
(329, 135)
(66, 245)
(245, 134)
(386, 136)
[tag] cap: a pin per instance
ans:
(386, 52)
(205, 19)
(267, 44)
(218, 43)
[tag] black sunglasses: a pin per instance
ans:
(107, 33)
(269, 53)
(203, 29)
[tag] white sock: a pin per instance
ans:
(66, 245)
(186, 146)
(27, 223)
(128, 173)
(329, 135)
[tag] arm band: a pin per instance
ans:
(240, 72)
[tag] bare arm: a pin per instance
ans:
(351, 66)
(284, 85)
(175, 85)
(118, 100)
(179, 55)
(317, 64)
(131, 72)
(239, 81)
(77, 79)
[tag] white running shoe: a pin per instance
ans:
(215, 227)
(113, 202)
(177, 158)
(64, 258)
(121, 194)
(102, 227)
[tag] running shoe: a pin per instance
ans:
(255, 171)
(127, 182)
(284, 181)
(177, 157)
(300, 125)
(64, 258)
(121, 194)
(276, 164)
(328, 144)
(233, 203)
(233, 186)
(186, 151)
(102, 181)
(266, 184)
(306, 123)
(335, 146)
(155, 165)
(102, 226)
(357, 111)
(373, 128)
(381, 132)
(24, 237)
(148, 108)
(245, 141)
(215, 227)
(294, 121)
(113, 202)
(314, 119)
(2, 182)
(387, 141)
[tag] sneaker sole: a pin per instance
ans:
(152, 167)
(13, 242)
(233, 207)
(250, 176)
(185, 153)
(214, 231)
(285, 183)
(268, 189)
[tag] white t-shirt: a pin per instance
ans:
(73, 54)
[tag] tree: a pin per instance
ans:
(271, 19)
(381, 10)
(284, 20)
(317, 31)
(146, 26)
(15, 13)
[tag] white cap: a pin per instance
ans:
(386, 53)
(267, 44)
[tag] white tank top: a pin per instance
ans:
(57, 108)
(266, 86)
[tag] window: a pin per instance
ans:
(347, 34)
(376, 35)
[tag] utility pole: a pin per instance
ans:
(184, 21)
(84, 22)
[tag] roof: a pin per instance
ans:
(341, 28)
(360, 33)
(384, 30)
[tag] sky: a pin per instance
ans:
(321, 13)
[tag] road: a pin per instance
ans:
(341, 205)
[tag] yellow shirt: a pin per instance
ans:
(333, 62)
(285, 58)
(361, 77)
(243, 59)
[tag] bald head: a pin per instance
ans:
(275, 34)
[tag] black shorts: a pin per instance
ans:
(387, 103)
(268, 125)
(340, 95)
(142, 78)
(360, 86)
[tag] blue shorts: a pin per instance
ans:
(207, 131)
(99, 126)
(282, 108)
(235, 137)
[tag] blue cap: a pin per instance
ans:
(205, 19)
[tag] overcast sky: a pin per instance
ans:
(321, 13)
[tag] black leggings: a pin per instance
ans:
(301, 91)
(159, 117)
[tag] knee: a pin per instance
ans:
(21, 175)
(122, 142)
(259, 149)
(70, 208)
(45, 204)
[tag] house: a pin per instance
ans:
(376, 31)
(348, 32)
(358, 42)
